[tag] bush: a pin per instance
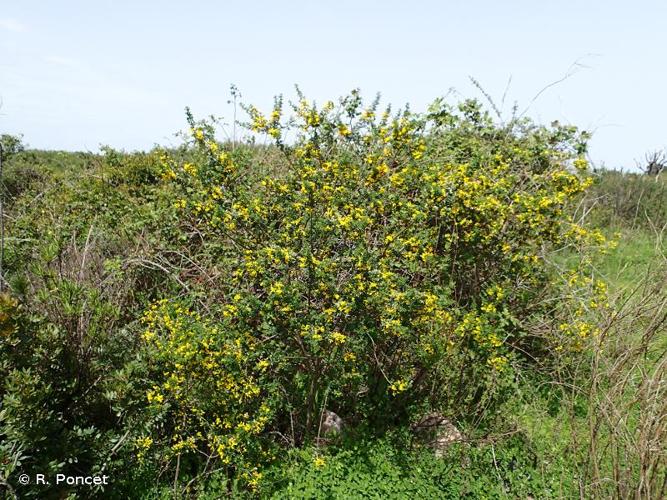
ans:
(627, 200)
(69, 380)
(179, 318)
(383, 265)
(10, 145)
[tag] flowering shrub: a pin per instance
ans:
(177, 318)
(208, 386)
(381, 262)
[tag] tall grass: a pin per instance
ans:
(622, 450)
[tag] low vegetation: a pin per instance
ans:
(182, 320)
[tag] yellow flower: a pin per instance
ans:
(498, 363)
(344, 130)
(398, 387)
(338, 338)
(168, 175)
(489, 308)
(145, 442)
(319, 462)
(190, 168)
(154, 396)
(580, 164)
(149, 335)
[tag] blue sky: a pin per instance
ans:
(77, 74)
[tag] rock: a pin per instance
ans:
(436, 432)
(331, 424)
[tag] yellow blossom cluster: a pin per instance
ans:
(209, 378)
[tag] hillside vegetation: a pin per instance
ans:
(183, 320)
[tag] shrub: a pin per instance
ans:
(179, 317)
(69, 381)
(627, 200)
(379, 265)
(10, 145)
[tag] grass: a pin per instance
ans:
(638, 253)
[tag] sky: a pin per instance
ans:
(75, 75)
